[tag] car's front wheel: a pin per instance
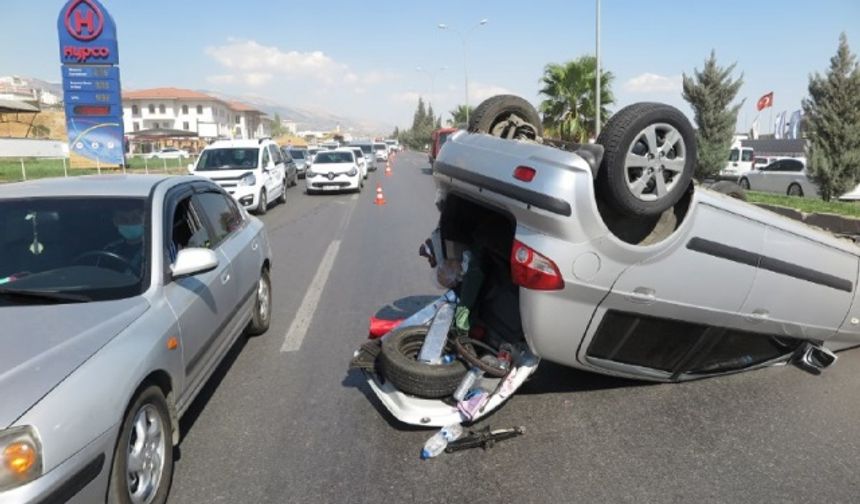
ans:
(143, 457)
(795, 190)
(745, 184)
(262, 316)
(263, 205)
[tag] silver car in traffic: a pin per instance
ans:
(119, 296)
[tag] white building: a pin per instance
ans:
(187, 110)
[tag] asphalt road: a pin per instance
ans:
(283, 421)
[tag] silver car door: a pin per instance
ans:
(279, 174)
(201, 302)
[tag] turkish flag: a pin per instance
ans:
(765, 102)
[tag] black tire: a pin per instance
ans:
(399, 365)
(506, 116)
(745, 184)
(729, 189)
(263, 205)
(262, 316)
(282, 199)
(120, 488)
(797, 190)
(625, 133)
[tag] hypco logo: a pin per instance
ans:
(84, 20)
(84, 53)
(330, 175)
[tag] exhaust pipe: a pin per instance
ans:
(813, 358)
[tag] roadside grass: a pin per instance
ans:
(10, 169)
(807, 205)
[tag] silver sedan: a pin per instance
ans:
(119, 296)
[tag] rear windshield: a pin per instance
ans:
(443, 137)
(380, 146)
(333, 157)
(365, 148)
(228, 159)
(297, 154)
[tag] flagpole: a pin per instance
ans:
(772, 126)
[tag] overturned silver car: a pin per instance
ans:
(606, 258)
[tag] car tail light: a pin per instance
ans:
(524, 173)
(532, 270)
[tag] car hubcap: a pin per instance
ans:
(655, 162)
(263, 300)
(145, 462)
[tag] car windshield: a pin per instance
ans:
(380, 146)
(65, 249)
(228, 159)
(365, 148)
(297, 154)
(333, 157)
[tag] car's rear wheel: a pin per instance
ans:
(399, 364)
(262, 316)
(283, 197)
(143, 457)
(263, 205)
(795, 190)
(745, 184)
(650, 156)
(506, 116)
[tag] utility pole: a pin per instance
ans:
(464, 40)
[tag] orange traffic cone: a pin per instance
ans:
(380, 198)
(388, 169)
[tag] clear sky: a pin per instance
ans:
(359, 59)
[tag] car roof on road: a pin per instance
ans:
(94, 185)
(238, 143)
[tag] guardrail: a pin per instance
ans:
(19, 169)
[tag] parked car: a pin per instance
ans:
(330, 145)
(169, 153)
(439, 137)
(605, 257)
(741, 160)
(290, 167)
(302, 157)
(381, 151)
(120, 296)
(393, 145)
(783, 176)
(360, 160)
(252, 171)
(369, 153)
(335, 170)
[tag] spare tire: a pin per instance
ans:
(399, 365)
(506, 116)
(649, 159)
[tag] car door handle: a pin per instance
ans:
(642, 295)
(759, 315)
(225, 277)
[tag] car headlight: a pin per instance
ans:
(310, 173)
(353, 172)
(248, 179)
(20, 457)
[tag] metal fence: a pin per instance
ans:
(17, 169)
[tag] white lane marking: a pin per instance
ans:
(305, 314)
(354, 197)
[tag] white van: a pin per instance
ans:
(741, 160)
(252, 171)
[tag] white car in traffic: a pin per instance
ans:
(252, 171)
(361, 160)
(169, 153)
(334, 170)
(381, 150)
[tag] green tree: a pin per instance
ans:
(277, 126)
(570, 99)
(420, 116)
(458, 115)
(396, 133)
(832, 124)
(710, 93)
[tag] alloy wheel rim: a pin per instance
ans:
(655, 162)
(146, 454)
(263, 300)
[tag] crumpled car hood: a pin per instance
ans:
(42, 344)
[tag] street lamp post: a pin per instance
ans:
(464, 39)
(432, 74)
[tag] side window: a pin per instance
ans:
(747, 155)
(186, 230)
(775, 166)
(792, 166)
(276, 154)
(266, 158)
(733, 155)
(221, 214)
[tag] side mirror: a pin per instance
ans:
(813, 359)
(193, 261)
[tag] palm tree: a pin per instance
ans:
(568, 110)
(458, 115)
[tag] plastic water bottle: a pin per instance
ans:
(466, 385)
(436, 444)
